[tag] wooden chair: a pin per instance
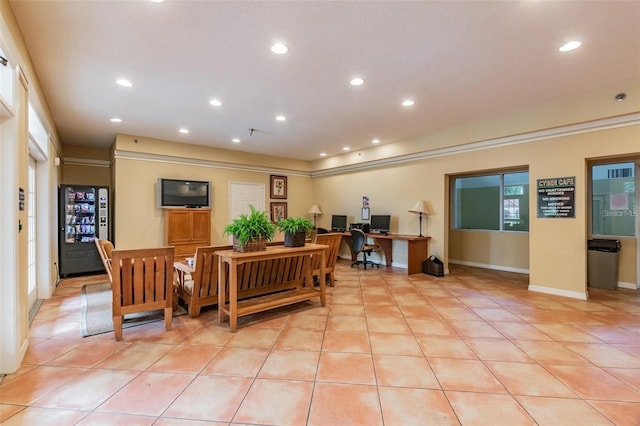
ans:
(332, 240)
(142, 280)
(201, 287)
(104, 248)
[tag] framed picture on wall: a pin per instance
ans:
(365, 213)
(278, 212)
(278, 187)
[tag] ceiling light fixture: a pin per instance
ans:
(323, 154)
(567, 47)
(357, 81)
(235, 140)
(408, 103)
(279, 49)
(346, 148)
(621, 97)
(124, 82)
(215, 102)
(116, 120)
(375, 141)
(184, 131)
(281, 118)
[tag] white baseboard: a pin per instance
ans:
(488, 266)
(558, 292)
(630, 286)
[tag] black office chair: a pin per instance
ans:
(359, 245)
(323, 231)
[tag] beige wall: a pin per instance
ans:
(138, 220)
(491, 249)
(556, 247)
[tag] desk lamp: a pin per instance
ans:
(316, 211)
(421, 209)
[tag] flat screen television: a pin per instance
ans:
(380, 223)
(339, 223)
(183, 193)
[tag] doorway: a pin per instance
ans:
(241, 195)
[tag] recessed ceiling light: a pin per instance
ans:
(124, 82)
(621, 97)
(235, 140)
(357, 81)
(281, 118)
(215, 102)
(279, 49)
(408, 102)
(156, 1)
(323, 154)
(574, 44)
(184, 131)
(346, 148)
(375, 141)
(116, 120)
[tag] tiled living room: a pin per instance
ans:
(474, 348)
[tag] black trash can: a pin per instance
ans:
(602, 263)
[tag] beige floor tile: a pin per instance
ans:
(482, 409)
(44, 416)
(529, 379)
(619, 413)
(407, 406)
(347, 323)
(346, 341)
(148, 394)
(404, 371)
(189, 359)
(465, 375)
(242, 362)
(581, 379)
(290, 365)
(496, 350)
(560, 411)
(550, 352)
(251, 337)
(137, 356)
(88, 354)
(387, 325)
(445, 346)
(474, 329)
(300, 339)
(8, 410)
(88, 390)
(346, 368)
(36, 383)
(210, 398)
(394, 344)
(107, 419)
(264, 403)
(343, 404)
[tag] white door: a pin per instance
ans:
(241, 195)
(31, 234)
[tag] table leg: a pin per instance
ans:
(387, 248)
(222, 289)
(233, 295)
(323, 278)
(417, 252)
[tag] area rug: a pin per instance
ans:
(96, 315)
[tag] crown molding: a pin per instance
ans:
(74, 161)
(171, 159)
(556, 132)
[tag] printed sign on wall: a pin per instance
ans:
(556, 197)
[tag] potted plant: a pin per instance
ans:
(251, 231)
(295, 230)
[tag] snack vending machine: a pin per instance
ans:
(83, 216)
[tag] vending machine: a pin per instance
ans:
(83, 216)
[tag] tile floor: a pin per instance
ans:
(472, 348)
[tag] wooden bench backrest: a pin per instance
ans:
(142, 279)
(205, 276)
(332, 240)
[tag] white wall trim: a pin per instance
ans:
(488, 266)
(158, 158)
(85, 162)
(559, 292)
(557, 132)
(630, 286)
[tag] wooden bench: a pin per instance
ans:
(268, 279)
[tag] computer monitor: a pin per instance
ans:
(380, 223)
(339, 222)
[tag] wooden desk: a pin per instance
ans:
(417, 248)
(281, 275)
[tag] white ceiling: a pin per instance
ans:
(460, 61)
